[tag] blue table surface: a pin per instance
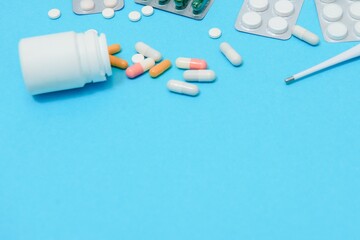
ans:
(249, 158)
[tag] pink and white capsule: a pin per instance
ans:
(191, 63)
(139, 68)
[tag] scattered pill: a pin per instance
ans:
(191, 63)
(54, 13)
(134, 16)
(160, 68)
(278, 25)
(215, 33)
(332, 12)
(251, 20)
(87, 5)
(199, 75)
(136, 58)
(305, 35)
(183, 88)
(259, 5)
(108, 13)
(337, 31)
(110, 3)
(147, 11)
(118, 62)
(139, 68)
(148, 51)
(114, 48)
(284, 8)
(354, 10)
(231, 54)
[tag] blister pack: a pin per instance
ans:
(82, 7)
(195, 9)
(269, 18)
(339, 19)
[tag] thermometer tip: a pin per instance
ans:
(289, 79)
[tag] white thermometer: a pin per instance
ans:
(342, 57)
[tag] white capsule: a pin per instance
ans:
(183, 87)
(231, 54)
(199, 75)
(305, 35)
(147, 51)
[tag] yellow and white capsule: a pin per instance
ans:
(199, 75)
(183, 88)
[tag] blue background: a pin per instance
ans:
(249, 158)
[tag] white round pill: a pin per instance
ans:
(337, 31)
(215, 33)
(87, 5)
(134, 16)
(332, 12)
(355, 10)
(251, 20)
(108, 13)
(284, 8)
(147, 11)
(357, 28)
(54, 13)
(110, 3)
(137, 58)
(278, 25)
(328, 1)
(259, 5)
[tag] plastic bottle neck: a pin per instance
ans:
(94, 56)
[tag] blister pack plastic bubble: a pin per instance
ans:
(339, 19)
(269, 18)
(83, 7)
(195, 9)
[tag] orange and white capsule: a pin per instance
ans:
(139, 68)
(191, 63)
(160, 68)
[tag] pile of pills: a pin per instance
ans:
(195, 9)
(106, 7)
(196, 71)
(268, 18)
(339, 19)
(150, 59)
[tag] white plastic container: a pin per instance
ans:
(63, 61)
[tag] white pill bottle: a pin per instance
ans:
(63, 61)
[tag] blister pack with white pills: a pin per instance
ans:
(269, 18)
(83, 7)
(339, 19)
(195, 9)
